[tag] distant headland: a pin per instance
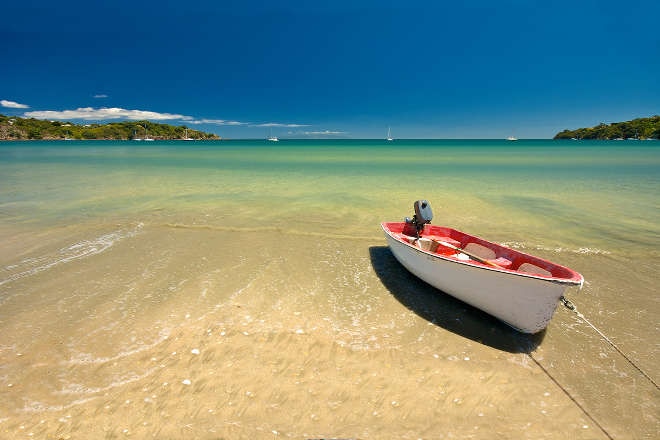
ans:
(15, 128)
(641, 128)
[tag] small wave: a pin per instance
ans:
(514, 244)
(88, 359)
(556, 250)
(273, 229)
(582, 250)
(40, 407)
(591, 251)
(79, 389)
(76, 251)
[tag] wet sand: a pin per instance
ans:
(177, 331)
(247, 292)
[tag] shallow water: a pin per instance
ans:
(243, 290)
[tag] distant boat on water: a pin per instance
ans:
(389, 135)
(186, 138)
(512, 138)
(272, 138)
(146, 135)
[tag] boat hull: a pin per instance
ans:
(524, 301)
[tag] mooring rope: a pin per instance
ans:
(570, 306)
(561, 387)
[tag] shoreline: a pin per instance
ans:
(243, 290)
(384, 141)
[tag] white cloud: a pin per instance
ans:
(94, 114)
(100, 95)
(216, 122)
(276, 124)
(324, 133)
(105, 113)
(12, 104)
(100, 114)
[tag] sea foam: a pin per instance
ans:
(76, 251)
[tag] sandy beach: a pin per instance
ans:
(241, 292)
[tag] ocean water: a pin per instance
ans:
(243, 289)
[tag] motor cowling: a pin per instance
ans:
(423, 215)
(423, 211)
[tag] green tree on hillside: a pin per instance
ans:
(641, 128)
(20, 128)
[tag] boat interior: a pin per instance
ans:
(457, 245)
(462, 246)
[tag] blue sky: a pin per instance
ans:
(241, 69)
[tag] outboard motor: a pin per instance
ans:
(423, 215)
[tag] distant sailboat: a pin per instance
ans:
(272, 138)
(512, 138)
(389, 135)
(186, 138)
(146, 136)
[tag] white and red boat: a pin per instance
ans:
(520, 289)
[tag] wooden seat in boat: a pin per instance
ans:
(504, 263)
(486, 253)
(480, 251)
(533, 269)
(451, 241)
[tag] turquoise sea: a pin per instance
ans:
(243, 289)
